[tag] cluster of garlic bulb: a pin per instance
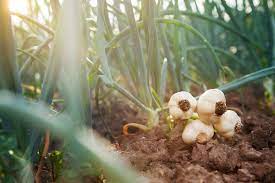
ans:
(212, 112)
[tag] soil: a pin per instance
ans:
(248, 157)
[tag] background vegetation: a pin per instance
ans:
(59, 56)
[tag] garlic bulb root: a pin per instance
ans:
(202, 138)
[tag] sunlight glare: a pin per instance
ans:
(20, 6)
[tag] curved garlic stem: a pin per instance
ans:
(135, 125)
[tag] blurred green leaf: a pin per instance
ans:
(84, 143)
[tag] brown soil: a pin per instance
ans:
(162, 156)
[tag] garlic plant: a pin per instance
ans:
(182, 105)
(197, 131)
(228, 124)
(211, 103)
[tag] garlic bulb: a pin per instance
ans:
(227, 124)
(182, 105)
(197, 131)
(211, 102)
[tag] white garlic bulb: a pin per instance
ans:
(211, 102)
(197, 131)
(227, 124)
(182, 105)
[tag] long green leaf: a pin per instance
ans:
(247, 79)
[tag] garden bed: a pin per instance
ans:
(248, 157)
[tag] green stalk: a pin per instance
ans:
(230, 13)
(143, 76)
(219, 50)
(126, 32)
(218, 22)
(34, 54)
(130, 97)
(151, 38)
(195, 32)
(236, 84)
(168, 55)
(269, 18)
(101, 43)
(33, 21)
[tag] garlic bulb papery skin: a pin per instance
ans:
(211, 102)
(227, 124)
(182, 105)
(197, 131)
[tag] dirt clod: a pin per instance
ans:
(223, 158)
(250, 154)
(245, 176)
(196, 173)
(260, 137)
